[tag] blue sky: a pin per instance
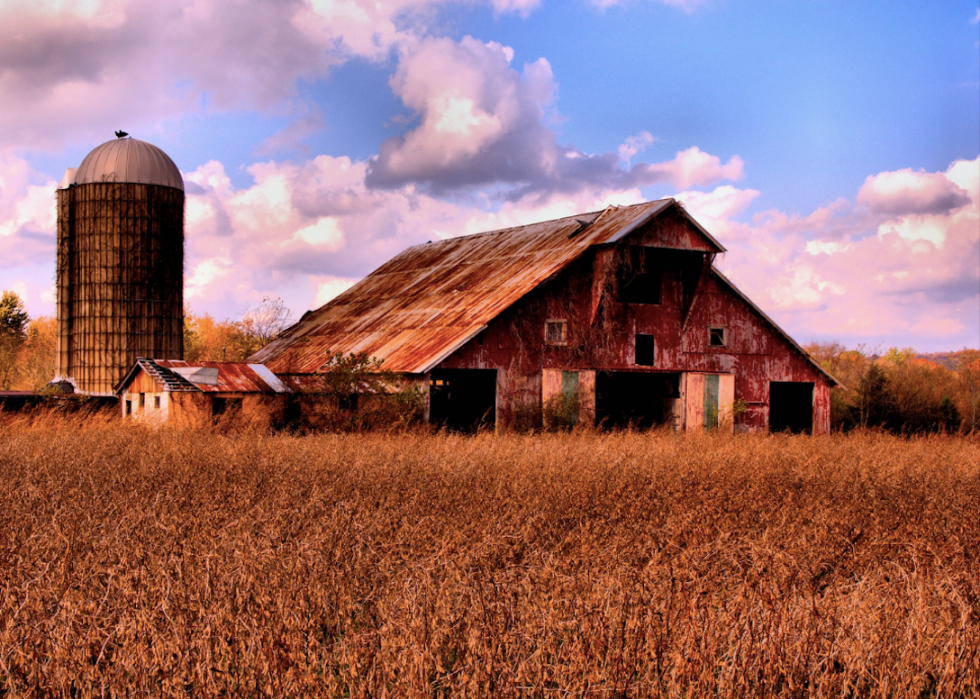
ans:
(832, 147)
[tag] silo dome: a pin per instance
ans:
(128, 160)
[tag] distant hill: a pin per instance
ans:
(950, 360)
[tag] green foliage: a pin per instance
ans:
(13, 332)
(560, 412)
(354, 392)
(13, 317)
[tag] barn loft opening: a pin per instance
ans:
(790, 406)
(635, 399)
(640, 276)
(463, 400)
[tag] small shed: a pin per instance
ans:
(185, 394)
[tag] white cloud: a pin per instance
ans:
(331, 289)
(868, 275)
(325, 233)
(909, 192)
(206, 272)
(634, 145)
(481, 122)
(479, 119)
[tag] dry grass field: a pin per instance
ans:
(148, 563)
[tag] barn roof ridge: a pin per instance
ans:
(512, 230)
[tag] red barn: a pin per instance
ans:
(616, 316)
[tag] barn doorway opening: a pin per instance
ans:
(463, 400)
(790, 406)
(636, 399)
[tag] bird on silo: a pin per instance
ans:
(121, 134)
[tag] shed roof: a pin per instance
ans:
(208, 377)
(424, 304)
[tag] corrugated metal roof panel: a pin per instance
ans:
(230, 377)
(426, 302)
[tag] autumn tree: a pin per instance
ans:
(209, 340)
(36, 360)
(13, 331)
(968, 389)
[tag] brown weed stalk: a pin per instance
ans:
(135, 562)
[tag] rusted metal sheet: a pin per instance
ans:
(172, 375)
(232, 377)
(427, 302)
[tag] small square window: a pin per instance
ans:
(717, 337)
(556, 332)
(644, 350)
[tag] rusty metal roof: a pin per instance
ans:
(125, 160)
(208, 377)
(424, 304)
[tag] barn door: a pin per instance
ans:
(710, 398)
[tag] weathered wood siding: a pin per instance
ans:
(601, 335)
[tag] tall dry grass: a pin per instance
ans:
(135, 562)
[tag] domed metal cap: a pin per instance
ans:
(129, 160)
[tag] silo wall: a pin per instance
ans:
(120, 280)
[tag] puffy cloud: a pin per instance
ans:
(479, 119)
(331, 288)
(481, 122)
(74, 70)
(124, 62)
(521, 7)
(848, 272)
(27, 215)
(694, 167)
(910, 192)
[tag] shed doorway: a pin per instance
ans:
(790, 406)
(635, 399)
(463, 400)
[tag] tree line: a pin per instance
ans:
(900, 390)
(28, 345)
